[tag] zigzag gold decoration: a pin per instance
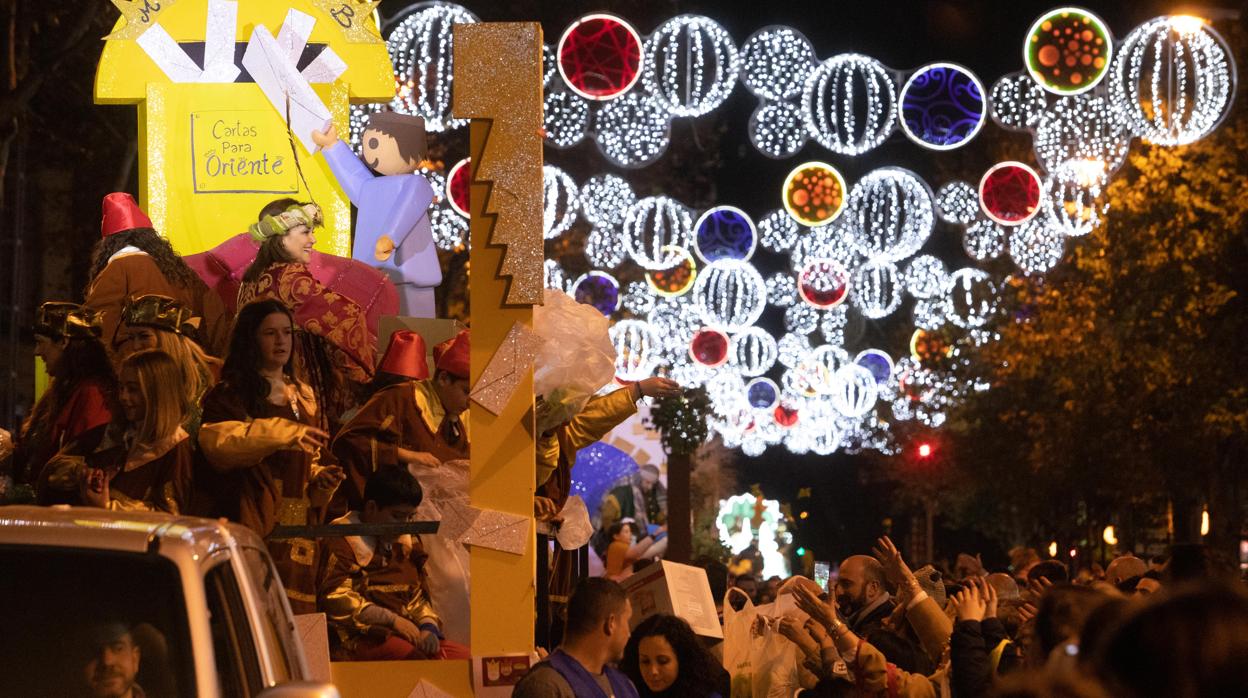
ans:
(140, 16)
(354, 18)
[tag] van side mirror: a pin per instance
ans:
(301, 689)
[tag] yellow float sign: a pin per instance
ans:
(213, 148)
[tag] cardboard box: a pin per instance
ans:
(681, 590)
(433, 330)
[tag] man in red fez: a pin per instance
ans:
(414, 422)
(132, 259)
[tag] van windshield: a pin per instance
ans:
(92, 623)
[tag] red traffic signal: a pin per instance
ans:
(925, 450)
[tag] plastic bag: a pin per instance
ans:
(576, 360)
(760, 660)
(739, 640)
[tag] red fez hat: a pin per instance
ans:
(121, 213)
(405, 356)
(452, 355)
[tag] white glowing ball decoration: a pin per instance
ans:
(606, 198)
(1173, 79)
(1035, 246)
(854, 390)
(1017, 101)
(957, 202)
(984, 239)
(775, 62)
(636, 349)
(889, 213)
(876, 289)
(420, 49)
(777, 129)
(566, 118)
(690, 65)
(925, 276)
(971, 296)
(559, 202)
(604, 247)
(730, 294)
(1082, 128)
(777, 231)
(653, 223)
(753, 351)
(850, 104)
(633, 130)
(1073, 200)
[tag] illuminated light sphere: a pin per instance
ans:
(957, 202)
(420, 49)
(654, 228)
(801, 318)
(926, 276)
(605, 199)
(1017, 102)
(1037, 247)
(813, 193)
(929, 345)
(691, 65)
(550, 65)
(825, 436)
(781, 290)
(554, 276)
(598, 289)
(1082, 128)
(753, 352)
(984, 240)
(833, 241)
(633, 131)
(824, 362)
(1073, 198)
(972, 297)
(559, 202)
(638, 299)
(931, 314)
(436, 182)
(1068, 50)
(450, 230)
(823, 283)
(674, 323)
(877, 289)
(1009, 193)
(777, 129)
(605, 248)
(854, 390)
(786, 415)
(778, 231)
(358, 119)
(690, 375)
(677, 278)
(943, 106)
(792, 348)
(849, 104)
(636, 350)
(724, 232)
(458, 182)
(805, 379)
(775, 62)
(753, 447)
(890, 214)
(599, 56)
(1173, 79)
(832, 325)
(729, 293)
(877, 362)
(567, 118)
(709, 347)
(762, 393)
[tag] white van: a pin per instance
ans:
(199, 599)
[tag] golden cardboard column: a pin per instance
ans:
(498, 84)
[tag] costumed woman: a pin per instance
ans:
(422, 424)
(143, 459)
(265, 439)
(164, 323)
(334, 348)
(132, 259)
(81, 396)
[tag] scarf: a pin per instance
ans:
(583, 683)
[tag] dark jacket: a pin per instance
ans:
(971, 648)
(897, 649)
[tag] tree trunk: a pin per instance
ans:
(679, 518)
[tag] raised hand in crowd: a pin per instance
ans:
(658, 386)
(896, 571)
(970, 604)
(989, 594)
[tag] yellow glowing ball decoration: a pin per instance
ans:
(814, 193)
(213, 151)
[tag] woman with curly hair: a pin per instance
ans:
(132, 259)
(334, 347)
(665, 658)
(82, 394)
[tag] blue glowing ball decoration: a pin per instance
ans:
(599, 466)
(725, 232)
(762, 393)
(598, 289)
(878, 363)
(942, 106)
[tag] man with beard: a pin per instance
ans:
(113, 662)
(866, 605)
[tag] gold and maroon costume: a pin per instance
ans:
(142, 477)
(262, 476)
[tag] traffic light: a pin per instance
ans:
(801, 551)
(925, 450)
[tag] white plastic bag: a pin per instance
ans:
(761, 661)
(739, 641)
(577, 357)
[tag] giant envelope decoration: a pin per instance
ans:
(424, 689)
(501, 377)
(484, 528)
(270, 66)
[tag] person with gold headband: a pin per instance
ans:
(264, 439)
(333, 340)
(81, 396)
(160, 322)
(416, 422)
(143, 459)
(132, 259)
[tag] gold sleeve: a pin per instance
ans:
(234, 444)
(342, 604)
(419, 609)
(873, 675)
(547, 458)
(601, 415)
(932, 626)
